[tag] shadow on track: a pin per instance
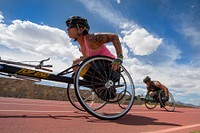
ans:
(47, 116)
(141, 120)
(159, 109)
(136, 120)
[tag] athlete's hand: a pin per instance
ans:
(116, 63)
(165, 99)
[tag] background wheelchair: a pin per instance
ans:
(152, 102)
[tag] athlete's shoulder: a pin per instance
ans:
(99, 38)
(156, 83)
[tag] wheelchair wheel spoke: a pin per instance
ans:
(150, 102)
(113, 91)
(167, 105)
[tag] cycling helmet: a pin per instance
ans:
(76, 21)
(146, 79)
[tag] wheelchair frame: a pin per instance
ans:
(22, 70)
(151, 102)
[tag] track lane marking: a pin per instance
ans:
(73, 111)
(32, 104)
(32, 100)
(174, 129)
(35, 111)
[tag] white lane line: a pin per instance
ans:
(36, 111)
(146, 112)
(160, 112)
(28, 101)
(67, 105)
(174, 129)
(32, 100)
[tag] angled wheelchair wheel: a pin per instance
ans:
(72, 97)
(88, 97)
(109, 88)
(169, 105)
(123, 103)
(150, 102)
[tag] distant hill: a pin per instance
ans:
(186, 105)
(28, 89)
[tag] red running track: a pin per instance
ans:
(46, 116)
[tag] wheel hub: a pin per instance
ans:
(109, 84)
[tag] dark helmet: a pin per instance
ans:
(75, 21)
(146, 79)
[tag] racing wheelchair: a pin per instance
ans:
(152, 101)
(95, 87)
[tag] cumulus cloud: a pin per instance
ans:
(138, 39)
(160, 65)
(33, 38)
(24, 38)
(37, 41)
(141, 42)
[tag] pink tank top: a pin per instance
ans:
(103, 50)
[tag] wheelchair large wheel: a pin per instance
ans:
(169, 105)
(108, 87)
(150, 102)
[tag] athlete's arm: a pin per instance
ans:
(98, 39)
(163, 87)
(101, 38)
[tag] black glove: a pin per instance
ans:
(165, 99)
(117, 61)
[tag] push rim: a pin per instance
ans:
(110, 110)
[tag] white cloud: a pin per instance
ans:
(141, 42)
(180, 78)
(140, 91)
(30, 37)
(1, 17)
(192, 33)
(137, 69)
(118, 1)
(27, 39)
(189, 25)
(105, 10)
(138, 39)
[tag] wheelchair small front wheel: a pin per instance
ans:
(150, 102)
(123, 102)
(72, 97)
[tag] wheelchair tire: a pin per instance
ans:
(71, 95)
(109, 88)
(169, 105)
(150, 102)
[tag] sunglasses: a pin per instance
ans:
(71, 26)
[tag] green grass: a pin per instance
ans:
(195, 131)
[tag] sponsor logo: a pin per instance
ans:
(33, 73)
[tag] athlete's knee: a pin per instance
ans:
(153, 93)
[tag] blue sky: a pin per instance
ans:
(160, 38)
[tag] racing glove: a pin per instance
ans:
(165, 99)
